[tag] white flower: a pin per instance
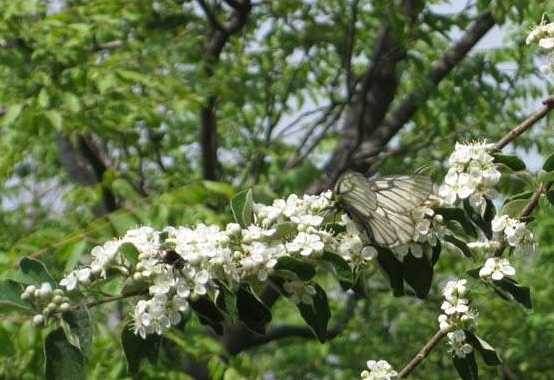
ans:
(454, 289)
(547, 43)
(516, 232)
(459, 347)
(456, 185)
(444, 322)
(497, 268)
(379, 370)
(252, 233)
(70, 281)
(104, 256)
(306, 244)
(308, 220)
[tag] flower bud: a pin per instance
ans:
(65, 307)
(57, 299)
(438, 218)
(25, 296)
(38, 319)
(137, 276)
(30, 289)
(58, 292)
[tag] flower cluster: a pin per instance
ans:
(457, 313)
(543, 35)
(472, 175)
(457, 316)
(49, 301)
(496, 268)
(379, 370)
(514, 231)
(180, 264)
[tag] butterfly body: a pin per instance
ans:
(383, 206)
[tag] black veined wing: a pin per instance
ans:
(383, 205)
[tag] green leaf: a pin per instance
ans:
(549, 163)
(81, 327)
(393, 269)
(130, 252)
(550, 197)
(11, 114)
(55, 119)
(514, 208)
(546, 177)
(43, 98)
(343, 272)
(208, 313)
(459, 244)
(303, 270)
(466, 367)
(436, 252)
(137, 350)
(222, 188)
(63, 360)
(458, 215)
(284, 230)
(418, 273)
(72, 102)
(242, 207)
(488, 353)
(318, 314)
(483, 222)
(227, 301)
(515, 291)
(10, 296)
(32, 271)
(132, 286)
(252, 312)
(513, 162)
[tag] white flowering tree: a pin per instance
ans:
(228, 271)
(223, 275)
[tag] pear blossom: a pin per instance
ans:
(306, 244)
(379, 370)
(497, 268)
(300, 291)
(458, 344)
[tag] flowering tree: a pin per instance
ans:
(229, 274)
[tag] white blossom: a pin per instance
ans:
(300, 291)
(458, 345)
(306, 244)
(379, 370)
(497, 268)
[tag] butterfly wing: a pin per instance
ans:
(397, 197)
(384, 205)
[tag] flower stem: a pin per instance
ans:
(423, 353)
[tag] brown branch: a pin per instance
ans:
(528, 123)
(111, 45)
(210, 15)
(422, 354)
(403, 113)
(214, 47)
(378, 89)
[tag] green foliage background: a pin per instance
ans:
(130, 77)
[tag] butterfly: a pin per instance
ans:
(383, 206)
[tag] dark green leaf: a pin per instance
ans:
(478, 219)
(208, 313)
(63, 360)
(459, 244)
(10, 296)
(393, 269)
(418, 273)
(514, 208)
(513, 162)
(252, 312)
(436, 252)
(303, 270)
(516, 292)
(343, 272)
(242, 207)
(137, 350)
(227, 301)
(549, 164)
(132, 286)
(550, 197)
(488, 353)
(457, 214)
(32, 271)
(466, 367)
(317, 315)
(130, 252)
(81, 327)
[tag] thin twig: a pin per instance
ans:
(423, 353)
(528, 123)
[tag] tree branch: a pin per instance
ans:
(397, 118)
(422, 354)
(377, 92)
(528, 123)
(212, 19)
(208, 130)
